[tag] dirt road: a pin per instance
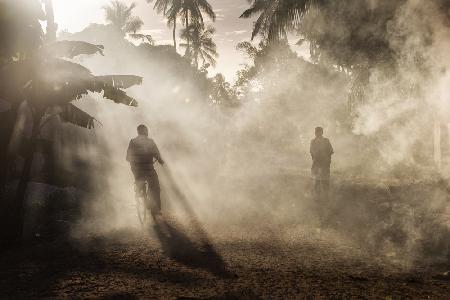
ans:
(379, 242)
(174, 263)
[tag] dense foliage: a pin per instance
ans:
(37, 82)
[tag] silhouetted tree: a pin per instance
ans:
(202, 46)
(275, 58)
(350, 35)
(170, 9)
(221, 91)
(42, 82)
(120, 16)
(192, 12)
(276, 16)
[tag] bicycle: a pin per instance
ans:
(141, 197)
(144, 201)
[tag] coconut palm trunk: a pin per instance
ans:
(174, 33)
(196, 58)
(188, 48)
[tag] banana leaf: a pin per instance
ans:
(118, 96)
(57, 81)
(72, 114)
(120, 81)
(69, 81)
(70, 49)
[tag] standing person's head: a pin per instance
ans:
(319, 131)
(142, 130)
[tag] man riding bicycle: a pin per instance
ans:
(142, 153)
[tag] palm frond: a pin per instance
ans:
(201, 45)
(161, 6)
(210, 58)
(206, 8)
(120, 16)
(131, 7)
(144, 37)
(276, 17)
(134, 24)
(257, 7)
(248, 48)
(258, 26)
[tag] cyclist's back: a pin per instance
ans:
(141, 154)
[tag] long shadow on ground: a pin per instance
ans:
(178, 246)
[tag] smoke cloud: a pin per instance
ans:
(247, 166)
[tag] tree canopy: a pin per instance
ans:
(202, 46)
(121, 16)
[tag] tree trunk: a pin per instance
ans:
(7, 124)
(51, 25)
(188, 49)
(19, 212)
(7, 219)
(174, 33)
(196, 59)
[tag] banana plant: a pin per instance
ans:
(46, 82)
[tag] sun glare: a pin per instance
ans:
(76, 15)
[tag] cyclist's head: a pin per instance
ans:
(319, 131)
(142, 130)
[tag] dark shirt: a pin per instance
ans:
(142, 151)
(321, 150)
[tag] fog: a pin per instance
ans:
(250, 165)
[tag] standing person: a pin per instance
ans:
(321, 151)
(141, 154)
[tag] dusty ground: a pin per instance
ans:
(169, 264)
(378, 243)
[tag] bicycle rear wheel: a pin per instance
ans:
(142, 210)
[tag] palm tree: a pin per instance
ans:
(171, 9)
(192, 11)
(203, 46)
(47, 85)
(276, 16)
(221, 91)
(121, 17)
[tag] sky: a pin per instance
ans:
(76, 15)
